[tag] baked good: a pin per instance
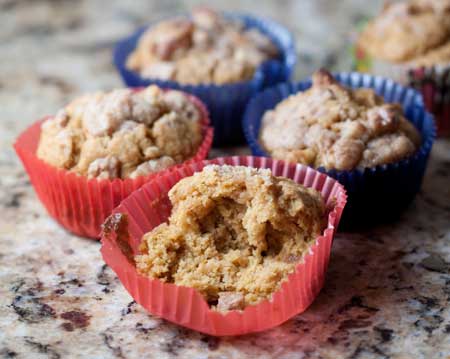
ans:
(234, 234)
(205, 48)
(339, 128)
(416, 32)
(122, 134)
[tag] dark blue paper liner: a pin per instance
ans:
(226, 103)
(376, 194)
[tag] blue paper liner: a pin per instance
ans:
(226, 103)
(377, 194)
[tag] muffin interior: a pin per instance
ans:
(234, 234)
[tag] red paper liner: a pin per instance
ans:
(80, 204)
(149, 206)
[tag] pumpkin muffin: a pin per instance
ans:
(416, 32)
(205, 48)
(234, 234)
(335, 127)
(122, 134)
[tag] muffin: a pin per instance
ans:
(250, 218)
(234, 234)
(409, 41)
(122, 133)
(101, 147)
(416, 32)
(203, 48)
(335, 127)
(369, 133)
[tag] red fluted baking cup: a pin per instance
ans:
(80, 204)
(149, 206)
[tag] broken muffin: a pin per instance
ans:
(234, 234)
(123, 133)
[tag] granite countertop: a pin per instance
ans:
(387, 293)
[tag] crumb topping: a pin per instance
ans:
(338, 128)
(234, 234)
(122, 133)
(206, 48)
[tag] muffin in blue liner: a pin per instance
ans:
(378, 194)
(226, 103)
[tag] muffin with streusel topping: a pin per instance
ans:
(204, 48)
(335, 127)
(101, 147)
(371, 134)
(122, 133)
(416, 32)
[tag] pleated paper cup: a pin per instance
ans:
(80, 204)
(150, 206)
(226, 103)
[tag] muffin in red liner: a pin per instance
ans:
(80, 204)
(150, 206)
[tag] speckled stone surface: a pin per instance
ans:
(387, 293)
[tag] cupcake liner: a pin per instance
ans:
(374, 194)
(433, 82)
(149, 206)
(80, 204)
(226, 103)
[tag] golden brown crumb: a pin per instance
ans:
(234, 234)
(204, 49)
(122, 133)
(337, 128)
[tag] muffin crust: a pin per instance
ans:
(206, 48)
(410, 31)
(234, 234)
(337, 128)
(122, 133)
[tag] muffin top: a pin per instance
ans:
(122, 133)
(335, 127)
(409, 31)
(234, 234)
(206, 48)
